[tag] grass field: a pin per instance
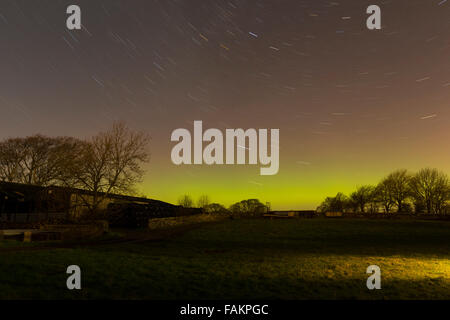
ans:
(242, 259)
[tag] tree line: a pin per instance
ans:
(108, 162)
(426, 191)
(250, 207)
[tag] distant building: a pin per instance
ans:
(295, 213)
(333, 214)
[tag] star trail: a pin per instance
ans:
(351, 104)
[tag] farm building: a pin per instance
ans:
(32, 203)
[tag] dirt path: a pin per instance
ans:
(130, 236)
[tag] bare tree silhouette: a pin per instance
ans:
(399, 187)
(362, 197)
(334, 204)
(384, 195)
(110, 162)
(203, 201)
(36, 160)
(186, 201)
(431, 188)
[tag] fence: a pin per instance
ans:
(393, 216)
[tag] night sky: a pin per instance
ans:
(351, 104)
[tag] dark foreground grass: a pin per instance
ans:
(244, 259)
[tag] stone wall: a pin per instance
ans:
(79, 231)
